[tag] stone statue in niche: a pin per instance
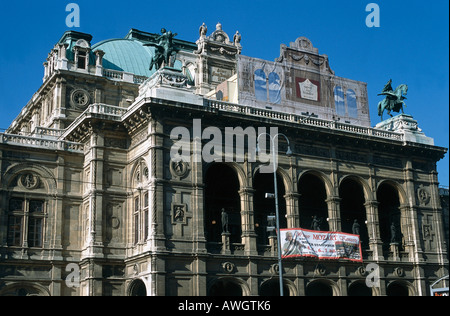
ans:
(179, 213)
(225, 221)
(394, 236)
(356, 228)
(315, 225)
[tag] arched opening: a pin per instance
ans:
(397, 289)
(353, 211)
(24, 289)
(263, 207)
(137, 288)
(319, 288)
(272, 288)
(389, 214)
(359, 289)
(222, 193)
(225, 287)
(312, 202)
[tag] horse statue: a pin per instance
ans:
(394, 99)
(164, 50)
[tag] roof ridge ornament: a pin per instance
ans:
(218, 38)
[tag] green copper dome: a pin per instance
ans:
(126, 55)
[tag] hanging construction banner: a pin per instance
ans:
(297, 242)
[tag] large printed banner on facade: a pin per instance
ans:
(297, 242)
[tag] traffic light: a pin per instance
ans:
(271, 223)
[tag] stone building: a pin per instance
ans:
(93, 203)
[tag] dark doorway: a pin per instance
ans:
(312, 201)
(272, 288)
(319, 289)
(352, 208)
(222, 192)
(225, 287)
(263, 207)
(137, 288)
(389, 214)
(396, 289)
(359, 289)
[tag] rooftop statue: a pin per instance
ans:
(164, 50)
(394, 99)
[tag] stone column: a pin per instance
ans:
(334, 213)
(248, 221)
(156, 187)
(63, 61)
(373, 223)
(95, 210)
(292, 206)
(99, 62)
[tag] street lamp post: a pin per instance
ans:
(277, 215)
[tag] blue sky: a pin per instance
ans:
(411, 45)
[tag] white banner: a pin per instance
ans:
(297, 242)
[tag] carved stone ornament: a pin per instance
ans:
(399, 272)
(274, 269)
(361, 271)
(29, 181)
(179, 169)
(80, 98)
(228, 267)
(115, 222)
(320, 270)
(423, 195)
(179, 213)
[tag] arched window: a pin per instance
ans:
(225, 287)
(263, 207)
(222, 194)
(274, 88)
(359, 288)
(267, 89)
(140, 204)
(137, 288)
(351, 104)
(27, 211)
(25, 222)
(353, 209)
(339, 101)
(272, 288)
(397, 289)
(312, 202)
(389, 214)
(260, 85)
(319, 288)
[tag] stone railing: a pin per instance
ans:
(44, 132)
(300, 119)
(39, 142)
(123, 76)
(105, 109)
